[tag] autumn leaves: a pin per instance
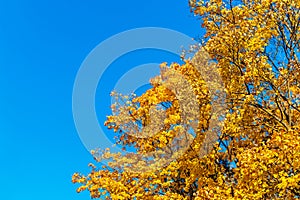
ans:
(253, 152)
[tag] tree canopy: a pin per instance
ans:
(253, 45)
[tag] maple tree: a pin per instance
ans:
(256, 152)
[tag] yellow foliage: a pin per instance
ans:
(255, 45)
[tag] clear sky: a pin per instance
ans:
(42, 45)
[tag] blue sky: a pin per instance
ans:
(43, 44)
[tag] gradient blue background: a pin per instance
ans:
(42, 45)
